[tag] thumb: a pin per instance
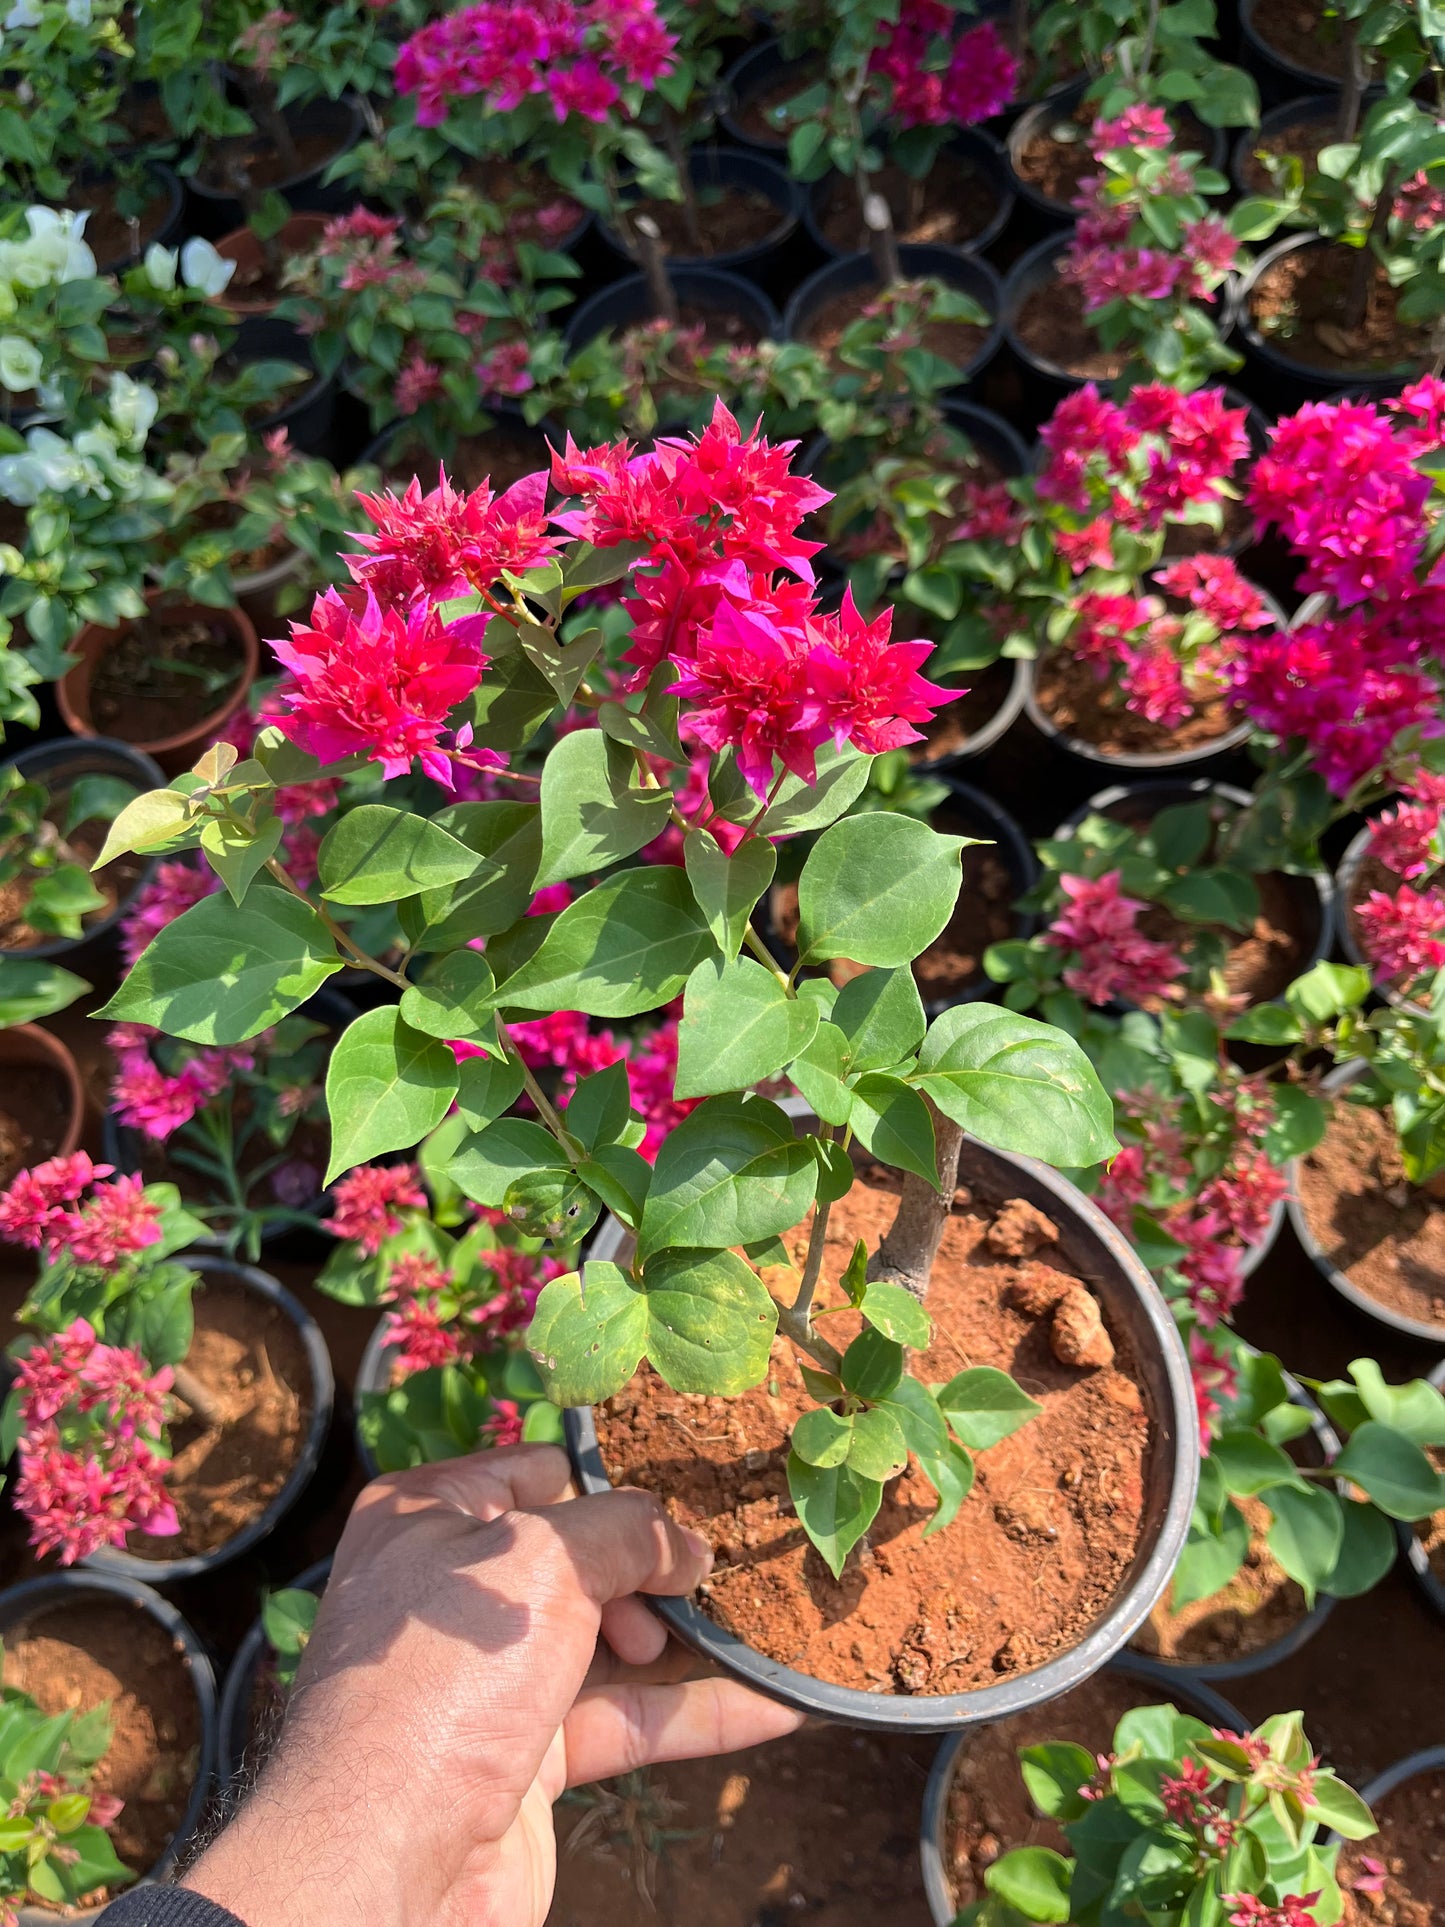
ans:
(623, 1542)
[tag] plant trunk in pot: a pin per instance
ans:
(74, 1641)
(125, 685)
(741, 217)
(953, 1654)
(260, 1355)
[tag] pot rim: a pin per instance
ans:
(781, 190)
(349, 136)
(72, 692)
(116, 1561)
(993, 731)
(972, 143)
(1425, 1759)
(843, 269)
(1339, 1077)
(16, 1600)
(240, 1680)
(750, 57)
(236, 245)
(934, 1822)
(1256, 43)
(727, 288)
(1176, 1434)
(1325, 380)
(62, 1057)
(1299, 107)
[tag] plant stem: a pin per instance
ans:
(672, 136)
(882, 241)
(660, 290)
(1357, 298)
(1153, 28)
(909, 1246)
(538, 1096)
(361, 957)
(1352, 92)
(188, 1387)
(764, 956)
(802, 1307)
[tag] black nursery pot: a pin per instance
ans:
(851, 272)
(759, 71)
(1416, 1558)
(236, 1766)
(307, 417)
(1280, 78)
(1045, 114)
(1189, 1696)
(166, 181)
(58, 1590)
(216, 211)
(130, 1566)
(767, 261)
(1290, 113)
(66, 761)
(1339, 1078)
(979, 151)
(1286, 380)
(1135, 1307)
(713, 290)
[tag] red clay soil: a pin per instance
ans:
(1411, 1848)
(72, 1658)
(34, 1116)
(108, 235)
(1035, 1555)
(1054, 167)
(1082, 704)
(755, 115)
(1263, 961)
(249, 1358)
(1258, 1606)
(1387, 1236)
(1431, 1532)
(989, 1810)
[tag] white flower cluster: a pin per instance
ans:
(105, 461)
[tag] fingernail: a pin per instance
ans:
(699, 1546)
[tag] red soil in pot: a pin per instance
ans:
(1259, 1605)
(108, 235)
(42, 1101)
(957, 723)
(1036, 1554)
(1411, 1845)
(71, 1658)
(1299, 32)
(1080, 703)
(1387, 1236)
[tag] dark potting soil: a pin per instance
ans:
(989, 1810)
(1301, 138)
(34, 1116)
(1304, 33)
(1411, 1847)
(250, 1360)
(953, 727)
(1431, 1532)
(1236, 525)
(158, 679)
(955, 341)
(719, 327)
(72, 1658)
(1055, 159)
(264, 164)
(954, 203)
(1385, 1234)
(984, 914)
(501, 456)
(729, 218)
(760, 116)
(1298, 304)
(1036, 1553)
(108, 235)
(1051, 325)
(821, 1827)
(1088, 706)
(84, 843)
(1258, 1606)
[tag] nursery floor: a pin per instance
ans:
(823, 1827)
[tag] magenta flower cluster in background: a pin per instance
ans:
(977, 82)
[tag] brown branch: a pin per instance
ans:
(909, 1246)
(190, 1389)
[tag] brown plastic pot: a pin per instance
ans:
(30, 1044)
(176, 752)
(244, 247)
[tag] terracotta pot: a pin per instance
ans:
(176, 752)
(31, 1044)
(244, 247)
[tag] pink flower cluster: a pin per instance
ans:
(46, 1210)
(1110, 958)
(1216, 1382)
(579, 53)
(563, 1041)
(1402, 837)
(1137, 464)
(1250, 1911)
(936, 80)
(148, 1099)
(1114, 254)
(766, 671)
(1342, 482)
(366, 1203)
(437, 1323)
(92, 1466)
(172, 890)
(1403, 931)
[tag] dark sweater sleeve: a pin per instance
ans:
(165, 1907)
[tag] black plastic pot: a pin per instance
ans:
(373, 1374)
(124, 1147)
(1137, 1310)
(1345, 873)
(60, 1589)
(714, 290)
(1415, 1555)
(236, 1766)
(1279, 77)
(856, 271)
(1164, 793)
(1339, 1077)
(167, 233)
(1304, 107)
(757, 71)
(66, 760)
(764, 261)
(1045, 114)
(308, 416)
(216, 211)
(1304, 1630)
(1189, 1696)
(1287, 380)
(1429, 1759)
(993, 731)
(167, 1572)
(979, 150)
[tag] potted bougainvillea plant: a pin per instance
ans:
(460, 639)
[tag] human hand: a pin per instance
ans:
(480, 1648)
